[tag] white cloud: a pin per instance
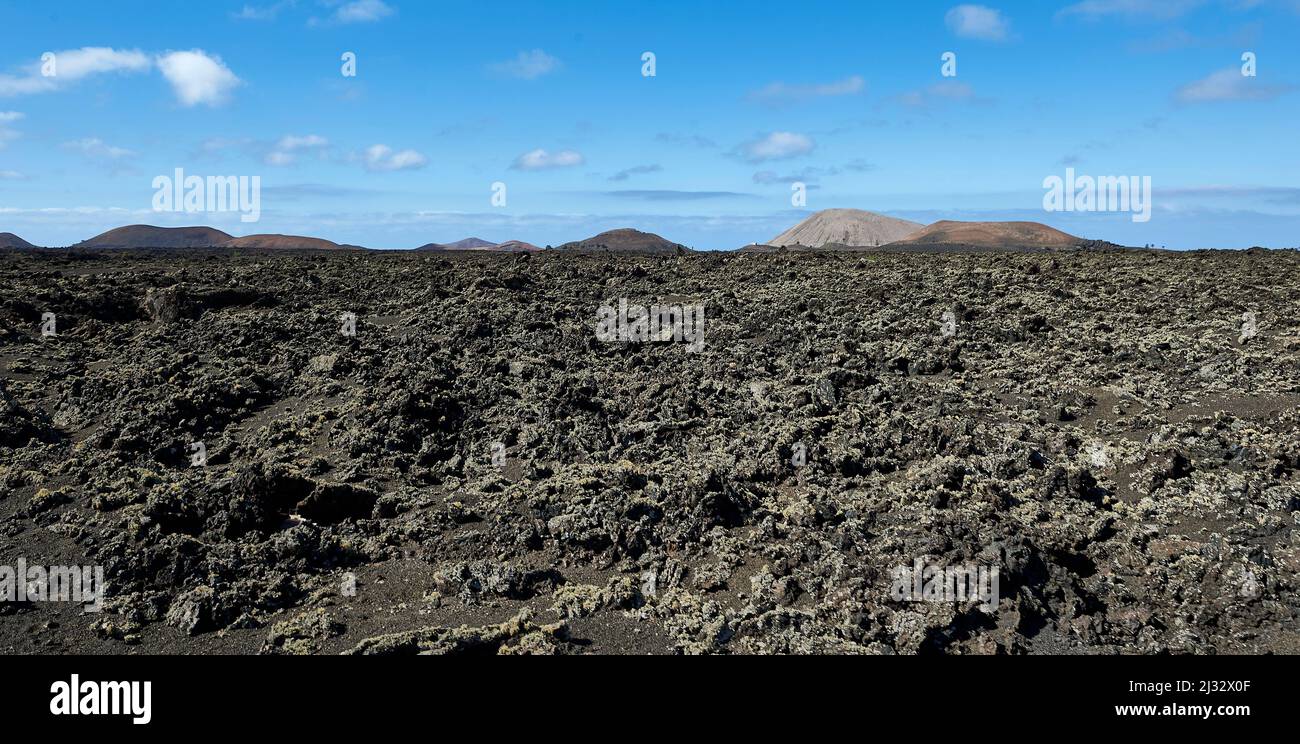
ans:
(635, 170)
(12, 175)
(382, 159)
(262, 12)
(71, 65)
(358, 11)
(540, 159)
(948, 90)
(286, 150)
(780, 93)
(7, 134)
(363, 11)
(96, 149)
(198, 78)
(1228, 85)
(79, 63)
(776, 146)
(978, 22)
(1158, 9)
(526, 65)
(307, 142)
(11, 85)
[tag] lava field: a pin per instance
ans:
(365, 452)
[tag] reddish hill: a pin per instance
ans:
(280, 242)
(478, 244)
(991, 235)
(517, 246)
(148, 236)
(468, 244)
(624, 240)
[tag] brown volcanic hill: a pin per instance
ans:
(471, 244)
(9, 240)
(478, 244)
(148, 236)
(846, 227)
(516, 246)
(468, 244)
(279, 242)
(625, 240)
(991, 235)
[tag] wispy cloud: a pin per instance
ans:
(383, 159)
(677, 138)
(775, 146)
(947, 91)
(812, 173)
(1182, 39)
(298, 191)
(978, 22)
(69, 66)
(635, 170)
(1229, 85)
(262, 12)
(540, 159)
(1152, 9)
(288, 148)
(783, 94)
(94, 147)
(100, 153)
(8, 134)
(355, 11)
(528, 65)
(1288, 195)
(195, 76)
(669, 195)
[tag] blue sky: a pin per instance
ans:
(549, 99)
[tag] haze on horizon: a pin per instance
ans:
(848, 99)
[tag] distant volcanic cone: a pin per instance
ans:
(846, 227)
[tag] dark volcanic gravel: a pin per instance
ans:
(475, 471)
